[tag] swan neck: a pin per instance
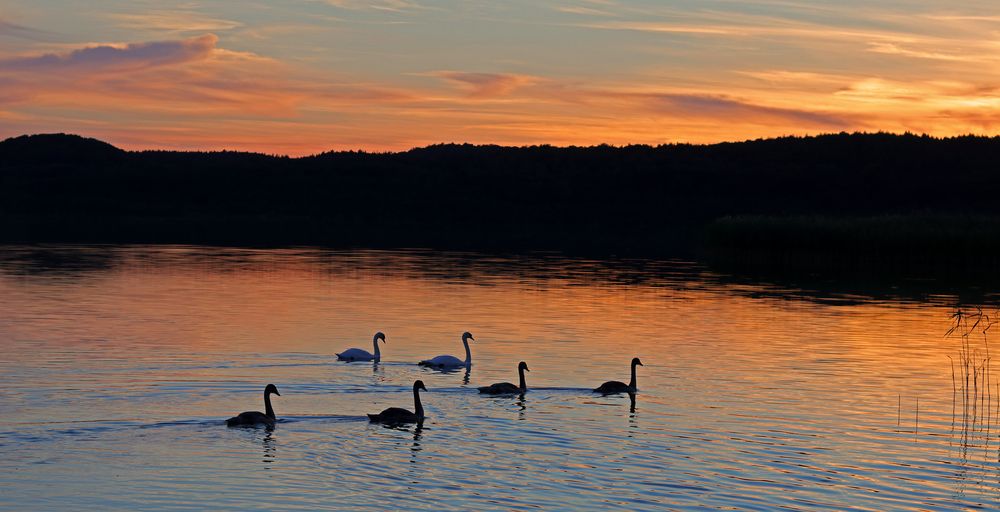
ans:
(418, 408)
(631, 383)
(268, 410)
(378, 355)
(468, 353)
(524, 386)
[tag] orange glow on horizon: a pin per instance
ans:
(392, 77)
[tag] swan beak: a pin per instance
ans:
(276, 392)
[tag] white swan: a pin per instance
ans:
(452, 361)
(356, 354)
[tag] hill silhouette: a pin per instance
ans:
(617, 199)
(56, 149)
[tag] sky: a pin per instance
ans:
(304, 76)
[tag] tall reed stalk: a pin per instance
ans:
(972, 383)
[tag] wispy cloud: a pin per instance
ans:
(895, 49)
(740, 111)
(486, 85)
(128, 56)
(584, 10)
(964, 17)
(801, 80)
(9, 29)
(659, 27)
(378, 5)
(173, 21)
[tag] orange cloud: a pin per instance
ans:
(189, 75)
(486, 85)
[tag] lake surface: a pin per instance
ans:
(120, 365)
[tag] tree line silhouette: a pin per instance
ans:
(620, 199)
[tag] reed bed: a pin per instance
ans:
(918, 241)
(974, 411)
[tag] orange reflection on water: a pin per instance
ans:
(568, 326)
(749, 390)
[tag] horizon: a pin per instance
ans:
(525, 146)
(309, 77)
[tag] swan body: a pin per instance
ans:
(257, 417)
(398, 415)
(614, 386)
(452, 361)
(443, 362)
(506, 388)
(357, 354)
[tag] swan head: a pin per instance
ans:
(636, 361)
(523, 366)
(466, 336)
(271, 389)
(380, 336)
(419, 385)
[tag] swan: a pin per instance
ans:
(256, 417)
(397, 415)
(613, 386)
(357, 354)
(505, 388)
(452, 361)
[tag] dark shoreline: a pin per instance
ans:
(855, 203)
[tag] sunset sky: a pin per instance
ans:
(304, 76)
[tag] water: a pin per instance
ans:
(121, 363)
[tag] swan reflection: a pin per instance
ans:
(417, 434)
(268, 442)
